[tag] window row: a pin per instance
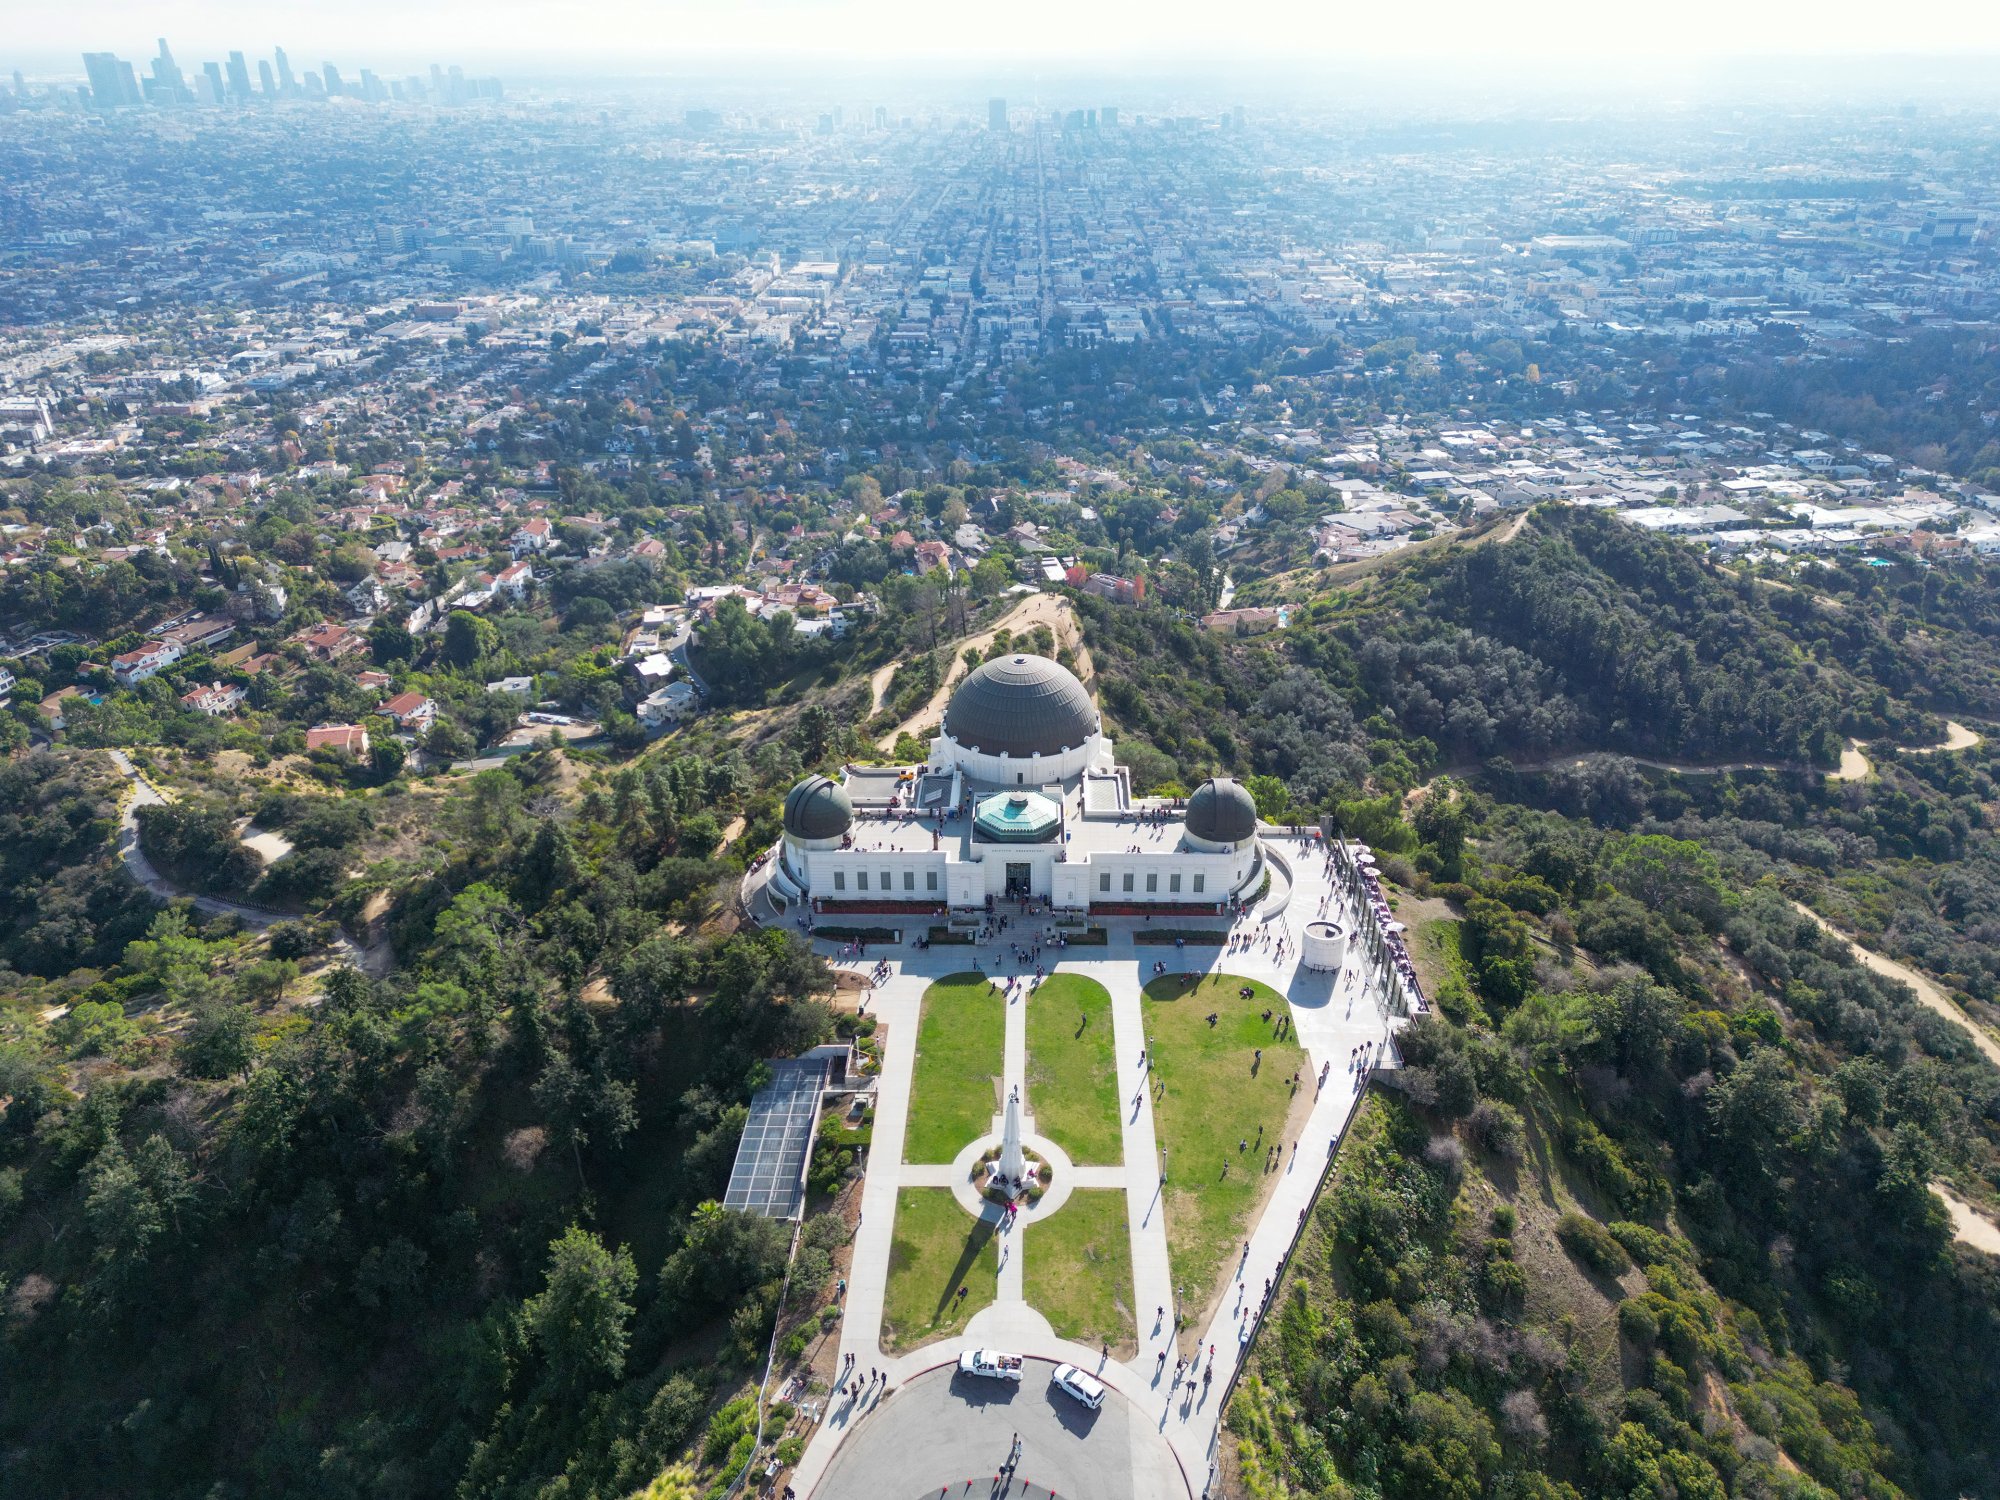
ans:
(888, 880)
(1152, 883)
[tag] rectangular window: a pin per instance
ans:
(1104, 883)
(1152, 882)
(888, 881)
(840, 880)
(1128, 882)
(1174, 883)
(861, 880)
(909, 880)
(930, 880)
(1199, 882)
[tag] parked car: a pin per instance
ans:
(990, 1363)
(1074, 1383)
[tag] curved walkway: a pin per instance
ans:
(1928, 993)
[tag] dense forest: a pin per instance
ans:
(452, 1231)
(1648, 1211)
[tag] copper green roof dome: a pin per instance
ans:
(818, 809)
(1021, 706)
(1221, 811)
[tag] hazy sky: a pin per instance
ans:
(642, 32)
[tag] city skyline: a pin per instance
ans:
(626, 36)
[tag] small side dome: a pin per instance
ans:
(1222, 811)
(818, 808)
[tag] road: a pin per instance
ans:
(145, 794)
(968, 1425)
(1928, 993)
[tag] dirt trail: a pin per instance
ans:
(1051, 610)
(878, 684)
(1968, 1225)
(1929, 994)
(1855, 766)
(1956, 737)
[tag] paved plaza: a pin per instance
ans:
(1151, 1433)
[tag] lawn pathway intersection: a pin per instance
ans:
(1166, 1418)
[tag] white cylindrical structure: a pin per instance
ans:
(1324, 948)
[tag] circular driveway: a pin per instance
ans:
(944, 1429)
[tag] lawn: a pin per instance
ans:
(961, 1045)
(1072, 1070)
(1212, 1102)
(1078, 1270)
(936, 1249)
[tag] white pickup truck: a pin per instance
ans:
(990, 1363)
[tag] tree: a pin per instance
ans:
(816, 731)
(1440, 821)
(389, 642)
(649, 979)
(580, 1320)
(1198, 555)
(131, 1202)
(218, 1042)
(385, 758)
(467, 638)
(581, 1106)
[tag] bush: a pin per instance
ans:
(1591, 1243)
(1499, 1129)
(791, 1450)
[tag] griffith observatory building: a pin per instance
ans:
(1020, 799)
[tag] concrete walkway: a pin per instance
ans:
(1334, 1018)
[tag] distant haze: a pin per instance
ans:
(633, 36)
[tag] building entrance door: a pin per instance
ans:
(1020, 880)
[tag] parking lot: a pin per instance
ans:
(944, 1429)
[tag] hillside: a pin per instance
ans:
(268, 1225)
(1651, 1208)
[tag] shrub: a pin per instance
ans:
(1592, 1244)
(1499, 1129)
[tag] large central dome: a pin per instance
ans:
(1021, 706)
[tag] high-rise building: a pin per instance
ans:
(112, 83)
(881, 117)
(168, 87)
(213, 91)
(996, 115)
(334, 87)
(239, 76)
(286, 83)
(314, 88)
(267, 79)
